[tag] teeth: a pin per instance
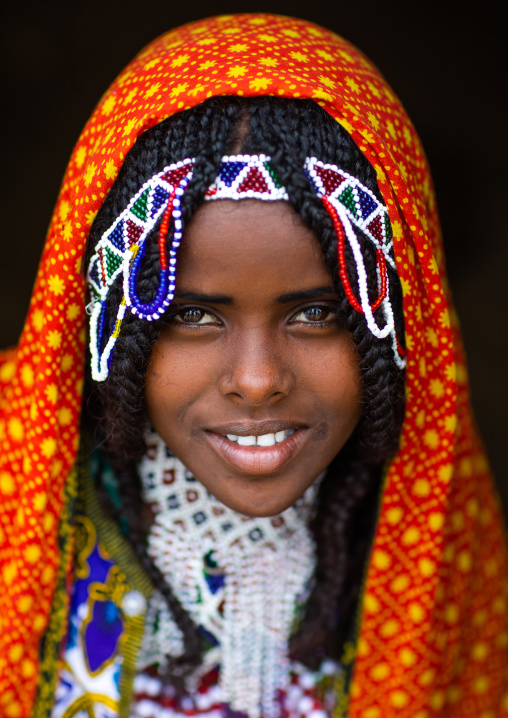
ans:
(266, 440)
(246, 441)
(263, 440)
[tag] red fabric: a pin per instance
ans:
(434, 635)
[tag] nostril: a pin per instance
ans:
(256, 371)
(255, 393)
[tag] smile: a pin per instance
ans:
(263, 440)
(258, 453)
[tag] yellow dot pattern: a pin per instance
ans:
(434, 636)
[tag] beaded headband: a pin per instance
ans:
(122, 247)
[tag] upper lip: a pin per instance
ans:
(256, 428)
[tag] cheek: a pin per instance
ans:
(179, 378)
(336, 380)
(170, 381)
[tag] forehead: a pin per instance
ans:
(259, 242)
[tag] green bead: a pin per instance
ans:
(273, 174)
(388, 228)
(139, 208)
(347, 198)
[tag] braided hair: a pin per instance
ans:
(288, 131)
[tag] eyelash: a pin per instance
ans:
(323, 323)
(178, 318)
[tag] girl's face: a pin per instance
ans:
(254, 385)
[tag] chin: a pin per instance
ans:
(260, 503)
(261, 510)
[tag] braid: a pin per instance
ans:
(288, 131)
(119, 403)
(130, 493)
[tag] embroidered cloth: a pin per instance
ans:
(433, 633)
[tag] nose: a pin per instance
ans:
(257, 370)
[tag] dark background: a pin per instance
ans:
(446, 62)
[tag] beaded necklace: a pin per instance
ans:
(243, 580)
(121, 248)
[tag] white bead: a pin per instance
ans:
(187, 703)
(139, 683)
(145, 708)
(305, 704)
(153, 687)
(216, 694)
(82, 611)
(329, 668)
(203, 701)
(307, 681)
(294, 694)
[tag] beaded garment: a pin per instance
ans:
(243, 580)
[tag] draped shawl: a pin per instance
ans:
(432, 637)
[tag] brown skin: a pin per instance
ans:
(250, 360)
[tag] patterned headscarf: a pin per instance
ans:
(433, 636)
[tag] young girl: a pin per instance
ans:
(274, 502)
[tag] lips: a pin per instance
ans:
(251, 449)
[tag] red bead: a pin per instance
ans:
(163, 231)
(381, 263)
(103, 269)
(341, 257)
(341, 237)
(400, 349)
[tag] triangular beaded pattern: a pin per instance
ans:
(115, 253)
(362, 206)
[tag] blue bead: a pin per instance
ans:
(367, 204)
(116, 237)
(159, 197)
(230, 171)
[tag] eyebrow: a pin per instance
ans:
(305, 294)
(283, 299)
(208, 298)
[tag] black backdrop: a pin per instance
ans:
(446, 62)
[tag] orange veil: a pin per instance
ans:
(433, 638)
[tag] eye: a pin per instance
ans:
(316, 315)
(194, 315)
